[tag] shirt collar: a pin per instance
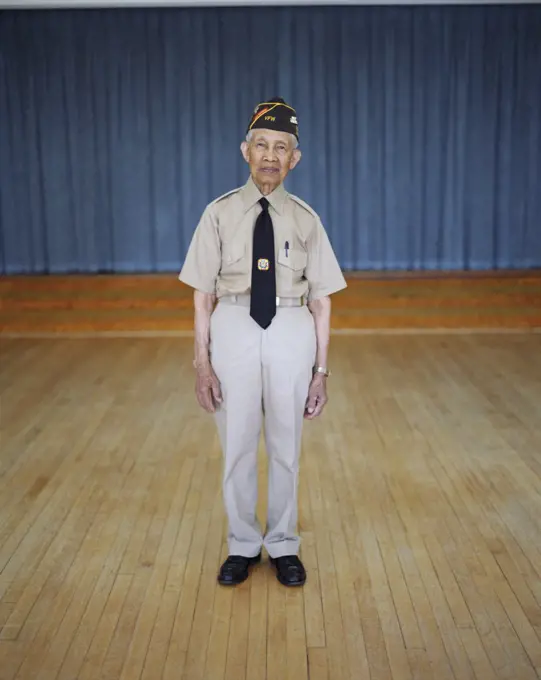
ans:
(251, 195)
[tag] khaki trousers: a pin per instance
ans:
(264, 375)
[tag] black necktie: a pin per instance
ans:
(263, 292)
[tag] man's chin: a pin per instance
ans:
(271, 179)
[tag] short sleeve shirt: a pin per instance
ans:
(219, 259)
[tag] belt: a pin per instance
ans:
(245, 300)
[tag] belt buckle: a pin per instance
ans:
(295, 302)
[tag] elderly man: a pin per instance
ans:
(263, 269)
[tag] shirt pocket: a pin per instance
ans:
(234, 257)
(294, 260)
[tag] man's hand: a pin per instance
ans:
(317, 396)
(207, 385)
(207, 388)
(317, 393)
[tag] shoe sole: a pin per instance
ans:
(232, 583)
(297, 584)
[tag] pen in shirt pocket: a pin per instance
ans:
(286, 246)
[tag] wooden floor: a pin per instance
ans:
(159, 303)
(420, 512)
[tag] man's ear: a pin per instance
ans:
(295, 158)
(244, 151)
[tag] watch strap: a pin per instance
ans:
(322, 370)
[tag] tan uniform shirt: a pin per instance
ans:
(219, 259)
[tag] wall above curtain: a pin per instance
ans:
(420, 130)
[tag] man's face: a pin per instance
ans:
(270, 155)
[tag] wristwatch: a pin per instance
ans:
(322, 370)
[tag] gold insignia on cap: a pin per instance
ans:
(263, 264)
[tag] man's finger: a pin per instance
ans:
(315, 405)
(318, 409)
(311, 405)
(311, 402)
(315, 413)
(216, 391)
(209, 403)
(310, 414)
(204, 397)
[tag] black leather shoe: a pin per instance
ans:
(236, 569)
(289, 570)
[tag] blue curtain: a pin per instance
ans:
(420, 129)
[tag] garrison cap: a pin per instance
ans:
(275, 114)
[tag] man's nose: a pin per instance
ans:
(270, 155)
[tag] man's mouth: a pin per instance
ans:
(269, 170)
